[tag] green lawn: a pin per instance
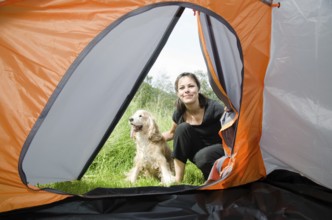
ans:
(116, 158)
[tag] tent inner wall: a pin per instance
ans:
(297, 119)
(228, 61)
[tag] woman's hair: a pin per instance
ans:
(201, 98)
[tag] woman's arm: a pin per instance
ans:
(168, 135)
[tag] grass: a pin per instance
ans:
(116, 158)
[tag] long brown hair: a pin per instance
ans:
(201, 98)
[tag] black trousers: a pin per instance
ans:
(187, 145)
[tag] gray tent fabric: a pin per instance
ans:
(91, 98)
(223, 48)
(297, 91)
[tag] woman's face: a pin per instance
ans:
(187, 90)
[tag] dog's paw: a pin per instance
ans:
(131, 177)
(168, 180)
(131, 180)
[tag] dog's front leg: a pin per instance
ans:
(133, 174)
(166, 175)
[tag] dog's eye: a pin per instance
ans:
(140, 116)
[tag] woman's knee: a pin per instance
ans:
(183, 129)
(202, 159)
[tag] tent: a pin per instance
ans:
(67, 65)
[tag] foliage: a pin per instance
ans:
(205, 86)
(155, 98)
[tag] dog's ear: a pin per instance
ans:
(153, 132)
(132, 133)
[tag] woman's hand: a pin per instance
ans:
(168, 135)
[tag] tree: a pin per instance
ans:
(205, 85)
(163, 82)
(144, 94)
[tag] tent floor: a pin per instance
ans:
(282, 195)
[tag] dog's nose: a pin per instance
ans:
(131, 119)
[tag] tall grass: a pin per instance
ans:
(116, 157)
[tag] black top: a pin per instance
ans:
(210, 126)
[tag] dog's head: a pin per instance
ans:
(142, 121)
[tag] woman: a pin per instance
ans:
(195, 127)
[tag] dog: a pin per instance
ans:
(153, 156)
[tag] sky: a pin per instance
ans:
(182, 52)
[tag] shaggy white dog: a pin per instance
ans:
(153, 156)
